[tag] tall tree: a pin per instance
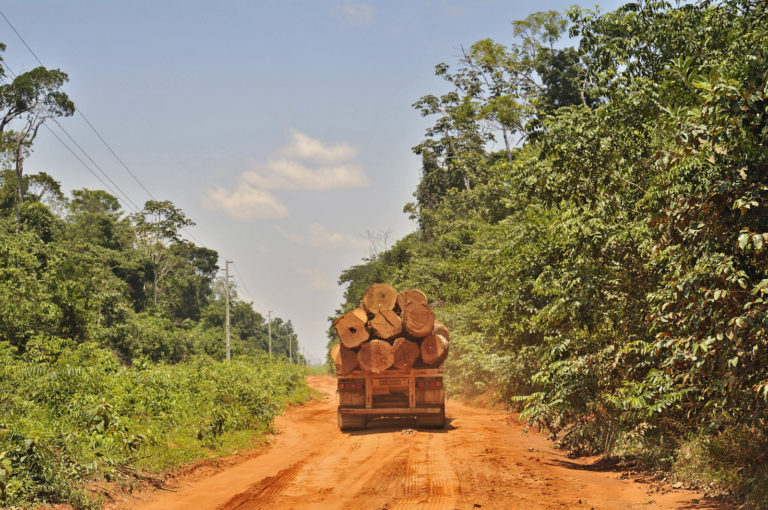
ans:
(158, 226)
(32, 98)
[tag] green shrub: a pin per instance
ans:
(74, 414)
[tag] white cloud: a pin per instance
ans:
(322, 238)
(307, 163)
(358, 14)
(309, 149)
(304, 163)
(318, 236)
(245, 202)
(317, 280)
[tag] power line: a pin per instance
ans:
(87, 167)
(88, 122)
(127, 202)
(97, 133)
(20, 37)
(242, 280)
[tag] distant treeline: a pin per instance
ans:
(593, 228)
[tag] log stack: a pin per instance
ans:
(389, 330)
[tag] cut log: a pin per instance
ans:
(375, 356)
(386, 324)
(440, 329)
(379, 296)
(411, 296)
(344, 359)
(406, 353)
(351, 330)
(360, 314)
(418, 320)
(434, 349)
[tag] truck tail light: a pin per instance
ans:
(429, 384)
(358, 385)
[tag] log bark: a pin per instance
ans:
(345, 359)
(411, 296)
(434, 349)
(418, 320)
(440, 329)
(379, 296)
(375, 356)
(406, 353)
(351, 330)
(386, 324)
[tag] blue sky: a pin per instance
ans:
(283, 129)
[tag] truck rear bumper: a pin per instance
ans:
(392, 411)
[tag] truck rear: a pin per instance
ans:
(414, 392)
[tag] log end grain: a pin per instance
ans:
(351, 330)
(411, 296)
(440, 329)
(375, 356)
(406, 353)
(344, 359)
(379, 296)
(434, 350)
(386, 324)
(418, 320)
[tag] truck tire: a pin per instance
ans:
(350, 421)
(434, 421)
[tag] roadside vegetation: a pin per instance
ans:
(112, 330)
(592, 227)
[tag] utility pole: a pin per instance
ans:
(269, 330)
(290, 349)
(226, 285)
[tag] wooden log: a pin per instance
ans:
(434, 349)
(375, 356)
(418, 320)
(406, 353)
(410, 296)
(351, 330)
(440, 329)
(379, 296)
(345, 359)
(386, 324)
(360, 314)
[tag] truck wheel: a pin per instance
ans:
(432, 421)
(350, 421)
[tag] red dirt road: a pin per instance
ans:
(482, 459)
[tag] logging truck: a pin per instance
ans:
(389, 359)
(415, 392)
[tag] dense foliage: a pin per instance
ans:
(606, 269)
(73, 413)
(112, 329)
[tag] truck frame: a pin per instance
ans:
(415, 392)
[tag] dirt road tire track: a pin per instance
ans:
(483, 457)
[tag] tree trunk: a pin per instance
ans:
(345, 359)
(379, 296)
(418, 320)
(375, 356)
(506, 144)
(410, 296)
(440, 329)
(434, 349)
(351, 329)
(406, 353)
(386, 324)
